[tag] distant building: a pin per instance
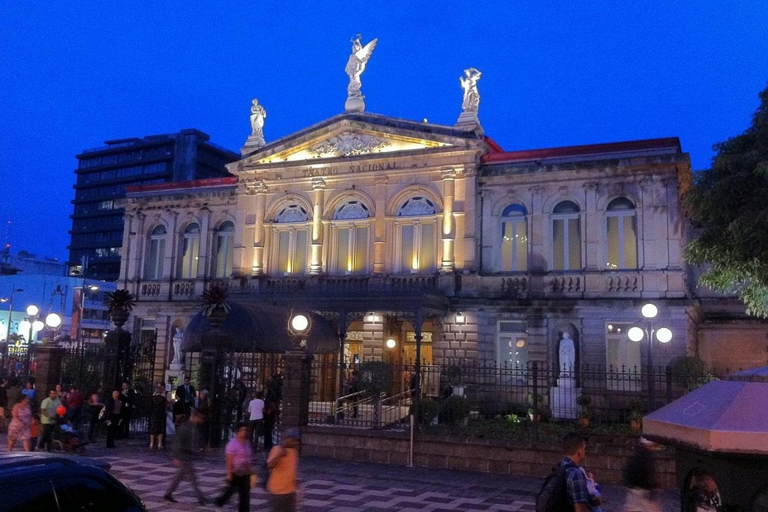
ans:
(104, 172)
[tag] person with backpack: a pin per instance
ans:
(566, 488)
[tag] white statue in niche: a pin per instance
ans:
(471, 101)
(177, 338)
(567, 356)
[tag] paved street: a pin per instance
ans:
(330, 485)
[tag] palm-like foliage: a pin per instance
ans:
(119, 300)
(215, 298)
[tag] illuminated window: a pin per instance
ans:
(621, 234)
(418, 243)
(351, 238)
(622, 358)
(514, 238)
(512, 340)
(290, 240)
(156, 253)
(190, 249)
(225, 240)
(566, 237)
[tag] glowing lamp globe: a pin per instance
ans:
(37, 325)
(391, 343)
(635, 334)
(24, 326)
(649, 311)
(299, 323)
(32, 310)
(53, 320)
(664, 335)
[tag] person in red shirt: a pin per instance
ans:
(75, 401)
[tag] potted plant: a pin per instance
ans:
(636, 412)
(375, 379)
(215, 306)
(454, 378)
(585, 413)
(534, 412)
(119, 306)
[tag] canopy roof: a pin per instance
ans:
(263, 329)
(721, 416)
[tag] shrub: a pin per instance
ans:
(428, 411)
(688, 372)
(453, 410)
(375, 378)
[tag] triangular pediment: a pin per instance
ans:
(351, 135)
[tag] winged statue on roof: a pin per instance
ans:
(354, 68)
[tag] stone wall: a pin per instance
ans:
(604, 459)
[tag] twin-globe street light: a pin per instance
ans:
(32, 323)
(663, 334)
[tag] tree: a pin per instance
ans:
(729, 204)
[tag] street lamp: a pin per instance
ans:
(299, 325)
(10, 322)
(31, 324)
(663, 335)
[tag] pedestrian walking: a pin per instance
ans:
(283, 462)
(239, 470)
(256, 418)
(94, 408)
(128, 397)
(565, 489)
(113, 412)
(640, 476)
(186, 394)
(30, 392)
(157, 417)
(21, 425)
(185, 449)
(48, 418)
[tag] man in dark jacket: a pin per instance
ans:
(128, 397)
(185, 449)
(186, 394)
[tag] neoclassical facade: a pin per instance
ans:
(421, 232)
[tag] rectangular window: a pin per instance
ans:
(512, 343)
(514, 245)
(361, 250)
(344, 262)
(189, 257)
(418, 251)
(566, 244)
(622, 358)
(300, 253)
(427, 259)
(284, 246)
(408, 259)
(622, 242)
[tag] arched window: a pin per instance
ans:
(621, 232)
(225, 241)
(514, 238)
(190, 250)
(290, 239)
(350, 229)
(566, 237)
(156, 253)
(418, 236)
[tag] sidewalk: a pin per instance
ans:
(332, 485)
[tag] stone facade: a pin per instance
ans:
(402, 230)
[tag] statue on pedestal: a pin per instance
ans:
(354, 68)
(471, 101)
(256, 139)
(567, 356)
(177, 339)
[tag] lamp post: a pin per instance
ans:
(10, 322)
(83, 292)
(31, 324)
(663, 335)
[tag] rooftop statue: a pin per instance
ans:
(355, 67)
(255, 140)
(468, 82)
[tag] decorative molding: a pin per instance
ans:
(318, 183)
(292, 213)
(352, 210)
(348, 144)
(416, 206)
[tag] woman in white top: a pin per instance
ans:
(256, 418)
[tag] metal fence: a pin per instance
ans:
(381, 395)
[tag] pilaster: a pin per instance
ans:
(448, 228)
(318, 200)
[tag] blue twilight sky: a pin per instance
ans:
(73, 74)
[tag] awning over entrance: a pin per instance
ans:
(258, 328)
(721, 416)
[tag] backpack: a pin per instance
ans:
(553, 496)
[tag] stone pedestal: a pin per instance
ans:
(468, 121)
(562, 399)
(252, 144)
(48, 369)
(354, 104)
(176, 373)
(298, 366)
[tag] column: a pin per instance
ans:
(205, 242)
(471, 221)
(592, 228)
(318, 197)
(258, 229)
(380, 224)
(449, 229)
(128, 249)
(296, 388)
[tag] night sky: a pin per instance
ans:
(73, 74)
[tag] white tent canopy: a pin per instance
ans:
(721, 416)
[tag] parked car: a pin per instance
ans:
(58, 483)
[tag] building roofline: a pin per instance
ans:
(611, 148)
(227, 181)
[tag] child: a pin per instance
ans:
(34, 431)
(593, 489)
